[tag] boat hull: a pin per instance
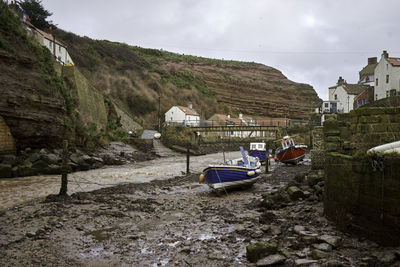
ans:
(224, 177)
(291, 155)
(262, 155)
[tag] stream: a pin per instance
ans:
(19, 190)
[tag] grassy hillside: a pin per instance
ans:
(134, 77)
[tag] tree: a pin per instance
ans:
(37, 13)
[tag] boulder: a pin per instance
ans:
(51, 158)
(8, 159)
(5, 170)
(332, 240)
(304, 262)
(323, 246)
(260, 250)
(274, 259)
(295, 193)
(25, 169)
(317, 254)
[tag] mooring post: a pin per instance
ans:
(187, 160)
(64, 169)
(267, 164)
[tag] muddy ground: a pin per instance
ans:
(178, 222)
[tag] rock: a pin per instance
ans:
(40, 166)
(317, 254)
(25, 169)
(186, 250)
(30, 234)
(260, 250)
(267, 217)
(271, 260)
(334, 263)
(295, 193)
(51, 158)
(275, 230)
(387, 257)
(298, 228)
(314, 178)
(5, 170)
(8, 159)
(332, 240)
(257, 233)
(323, 246)
(304, 262)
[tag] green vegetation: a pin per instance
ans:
(154, 54)
(139, 104)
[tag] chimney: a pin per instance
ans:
(228, 116)
(385, 54)
(372, 60)
(340, 80)
(190, 106)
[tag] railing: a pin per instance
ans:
(233, 123)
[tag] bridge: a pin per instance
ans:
(231, 128)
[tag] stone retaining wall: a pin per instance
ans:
(362, 193)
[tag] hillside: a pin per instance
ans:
(44, 103)
(134, 77)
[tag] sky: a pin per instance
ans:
(309, 41)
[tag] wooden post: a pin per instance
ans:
(187, 160)
(64, 169)
(267, 164)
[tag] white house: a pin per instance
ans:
(329, 107)
(343, 94)
(186, 116)
(387, 76)
(57, 49)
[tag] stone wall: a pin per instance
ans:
(7, 143)
(362, 193)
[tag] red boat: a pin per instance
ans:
(290, 152)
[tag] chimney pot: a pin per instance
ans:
(385, 54)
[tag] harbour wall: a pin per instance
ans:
(361, 192)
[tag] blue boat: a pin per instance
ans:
(258, 150)
(233, 173)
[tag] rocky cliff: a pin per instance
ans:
(134, 77)
(31, 103)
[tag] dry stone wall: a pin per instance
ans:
(362, 193)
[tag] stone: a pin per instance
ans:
(5, 170)
(295, 193)
(304, 262)
(334, 263)
(332, 240)
(260, 250)
(274, 259)
(298, 228)
(51, 158)
(317, 254)
(323, 246)
(275, 230)
(8, 159)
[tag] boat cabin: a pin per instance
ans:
(287, 142)
(258, 146)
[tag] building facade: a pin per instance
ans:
(179, 115)
(344, 94)
(387, 77)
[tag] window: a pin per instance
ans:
(376, 97)
(50, 45)
(376, 82)
(327, 105)
(363, 101)
(387, 78)
(59, 49)
(358, 102)
(387, 93)
(335, 96)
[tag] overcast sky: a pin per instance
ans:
(310, 41)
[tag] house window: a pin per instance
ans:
(376, 97)
(358, 102)
(363, 101)
(376, 82)
(59, 49)
(387, 93)
(327, 105)
(50, 45)
(335, 96)
(387, 78)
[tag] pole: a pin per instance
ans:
(159, 114)
(187, 160)
(267, 164)
(64, 169)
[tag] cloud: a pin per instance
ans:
(310, 41)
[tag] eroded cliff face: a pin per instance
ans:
(124, 72)
(33, 109)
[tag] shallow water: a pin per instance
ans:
(15, 191)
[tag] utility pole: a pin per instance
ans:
(159, 114)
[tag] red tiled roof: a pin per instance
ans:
(394, 61)
(46, 35)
